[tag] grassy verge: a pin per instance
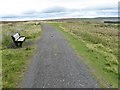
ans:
(98, 47)
(0, 57)
(0, 70)
(15, 60)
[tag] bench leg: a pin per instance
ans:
(21, 44)
(16, 44)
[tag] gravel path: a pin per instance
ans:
(55, 65)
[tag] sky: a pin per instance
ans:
(53, 9)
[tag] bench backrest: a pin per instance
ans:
(16, 36)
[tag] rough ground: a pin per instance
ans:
(55, 65)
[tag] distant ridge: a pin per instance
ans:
(110, 19)
(105, 19)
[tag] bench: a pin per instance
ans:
(17, 39)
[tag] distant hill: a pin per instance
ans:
(103, 19)
(108, 18)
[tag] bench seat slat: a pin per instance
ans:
(21, 39)
(16, 36)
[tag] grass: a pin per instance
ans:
(97, 43)
(0, 57)
(15, 60)
(0, 70)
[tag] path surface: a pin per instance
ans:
(55, 65)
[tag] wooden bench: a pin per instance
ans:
(17, 39)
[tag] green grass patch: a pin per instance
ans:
(14, 64)
(15, 59)
(99, 54)
(0, 69)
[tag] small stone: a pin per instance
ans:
(54, 85)
(81, 85)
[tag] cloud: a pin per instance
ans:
(40, 9)
(29, 12)
(55, 9)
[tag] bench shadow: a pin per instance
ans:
(12, 46)
(25, 45)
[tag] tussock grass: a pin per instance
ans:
(0, 56)
(98, 44)
(14, 59)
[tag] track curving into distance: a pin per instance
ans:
(55, 64)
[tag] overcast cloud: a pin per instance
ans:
(45, 9)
